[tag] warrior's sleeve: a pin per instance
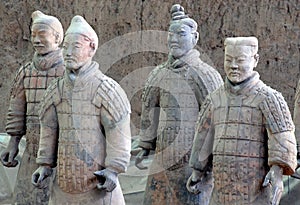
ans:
(47, 153)
(204, 138)
(297, 115)
(115, 118)
(150, 111)
(16, 116)
(280, 128)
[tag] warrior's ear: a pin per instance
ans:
(256, 57)
(93, 45)
(93, 49)
(196, 38)
(57, 38)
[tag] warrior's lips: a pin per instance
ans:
(38, 46)
(174, 46)
(69, 59)
(234, 74)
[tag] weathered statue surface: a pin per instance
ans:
(85, 127)
(245, 132)
(27, 90)
(296, 119)
(172, 97)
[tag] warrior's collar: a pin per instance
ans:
(244, 87)
(47, 61)
(188, 59)
(83, 74)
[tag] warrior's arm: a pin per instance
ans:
(280, 128)
(16, 120)
(150, 112)
(118, 142)
(149, 124)
(47, 153)
(115, 119)
(16, 116)
(204, 138)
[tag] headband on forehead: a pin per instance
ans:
(243, 41)
(177, 13)
(39, 18)
(80, 26)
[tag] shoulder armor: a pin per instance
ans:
(113, 98)
(151, 81)
(19, 78)
(209, 76)
(206, 77)
(52, 96)
(276, 111)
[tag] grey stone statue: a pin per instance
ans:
(297, 128)
(85, 127)
(245, 133)
(27, 90)
(172, 97)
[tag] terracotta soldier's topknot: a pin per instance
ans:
(178, 14)
(39, 17)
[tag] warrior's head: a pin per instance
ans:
(80, 44)
(46, 32)
(183, 35)
(240, 58)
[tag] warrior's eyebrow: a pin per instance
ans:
(228, 56)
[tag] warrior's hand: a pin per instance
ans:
(192, 184)
(296, 174)
(107, 180)
(39, 176)
(274, 179)
(143, 154)
(8, 155)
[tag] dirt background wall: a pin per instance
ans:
(132, 38)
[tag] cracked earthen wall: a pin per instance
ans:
(142, 23)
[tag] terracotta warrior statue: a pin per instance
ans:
(297, 127)
(245, 133)
(85, 127)
(172, 97)
(27, 90)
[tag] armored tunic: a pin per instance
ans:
(85, 128)
(247, 128)
(172, 98)
(27, 91)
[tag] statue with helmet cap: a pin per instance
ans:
(27, 90)
(172, 97)
(245, 134)
(85, 127)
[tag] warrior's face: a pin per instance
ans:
(181, 39)
(77, 51)
(239, 62)
(43, 38)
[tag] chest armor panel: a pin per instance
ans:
(178, 113)
(35, 84)
(240, 149)
(81, 149)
